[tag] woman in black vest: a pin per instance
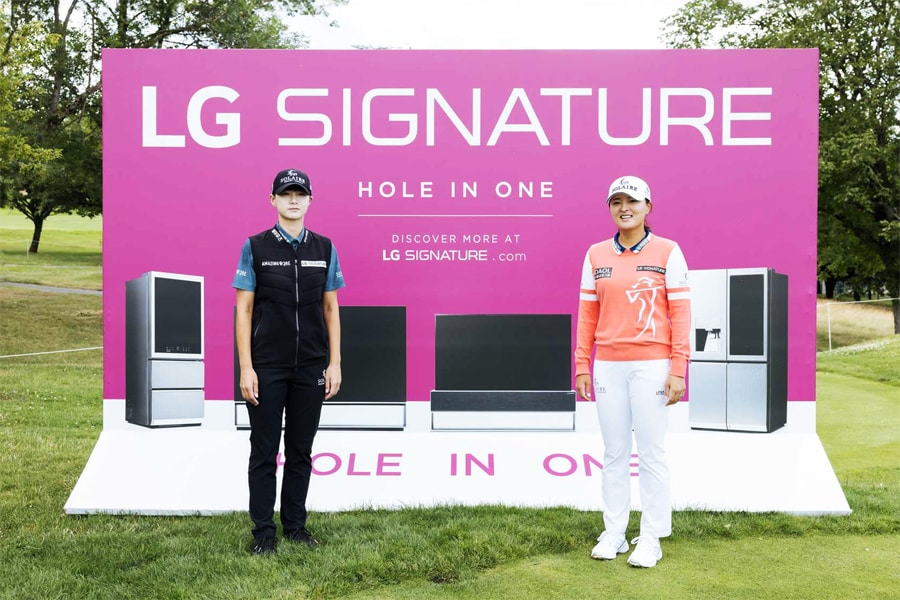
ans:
(288, 339)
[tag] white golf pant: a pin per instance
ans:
(631, 395)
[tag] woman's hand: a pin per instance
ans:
(583, 386)
(674, 389)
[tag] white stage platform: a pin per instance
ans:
(203, 469)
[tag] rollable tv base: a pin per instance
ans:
(502, 410)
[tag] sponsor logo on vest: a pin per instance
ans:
(602, 273)
(276, 263)
(314, 263)
(652, 268)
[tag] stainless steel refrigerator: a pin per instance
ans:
(164, 337)
(739, 337)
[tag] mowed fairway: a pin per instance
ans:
(69, 254)
(50, 417)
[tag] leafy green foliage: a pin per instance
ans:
(50, 104)
(859, 127)
(17, 65)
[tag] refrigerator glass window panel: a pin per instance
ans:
(747, 315)
(178, 317)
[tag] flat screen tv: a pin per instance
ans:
(373, 354)
(527, 352)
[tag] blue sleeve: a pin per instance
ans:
(334, 278)
(245, 276)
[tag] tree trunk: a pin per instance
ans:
(36, 238)
(829, 287)
(895, 304)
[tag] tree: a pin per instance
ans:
(859, 119)
(19, 157)
(50, 105)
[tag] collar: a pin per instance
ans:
(619, 248)
(283, 236)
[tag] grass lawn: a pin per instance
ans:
(69, 254)
(50, 417)
(852, 323)
(882, 361)
(808, 567)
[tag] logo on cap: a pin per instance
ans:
(293, 177)
(624, 186)
(288, 178)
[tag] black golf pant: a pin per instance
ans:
(297, 396)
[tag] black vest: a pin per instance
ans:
(288, 326)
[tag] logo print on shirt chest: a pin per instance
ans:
(602, 273)
(653, 268)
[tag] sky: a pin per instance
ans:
(491, 24)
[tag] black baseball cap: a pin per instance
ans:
(291, 178)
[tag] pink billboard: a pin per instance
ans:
(455, 182)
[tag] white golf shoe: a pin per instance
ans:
(647, 552)
(609, 545)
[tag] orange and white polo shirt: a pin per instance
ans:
(635, 304)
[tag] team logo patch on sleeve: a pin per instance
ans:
(602, 273)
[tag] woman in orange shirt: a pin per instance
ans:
(634, 312)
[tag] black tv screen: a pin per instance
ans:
(503, 352)
(373, 354)
(178, 316)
